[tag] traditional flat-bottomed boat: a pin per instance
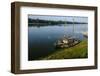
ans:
(66, 42)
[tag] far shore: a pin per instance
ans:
(49, 24)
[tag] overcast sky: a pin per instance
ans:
(58, 18)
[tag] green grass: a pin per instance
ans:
(77, 51)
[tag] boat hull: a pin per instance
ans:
(67, 45)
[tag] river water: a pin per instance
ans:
(41, 39)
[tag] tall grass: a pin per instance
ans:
(78, 51)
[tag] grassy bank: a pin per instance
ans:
(77, 51)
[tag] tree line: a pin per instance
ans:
(51, 22)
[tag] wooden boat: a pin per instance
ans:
(66, 42)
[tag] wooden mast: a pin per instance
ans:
(65, 28)
(73, 26)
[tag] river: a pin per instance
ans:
(41, 39)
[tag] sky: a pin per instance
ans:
(58, 18)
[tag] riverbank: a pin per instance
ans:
(77, 51)
(85, 34)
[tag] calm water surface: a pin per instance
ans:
(41, 39)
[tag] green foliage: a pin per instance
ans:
(78, 51)
(40, 22)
